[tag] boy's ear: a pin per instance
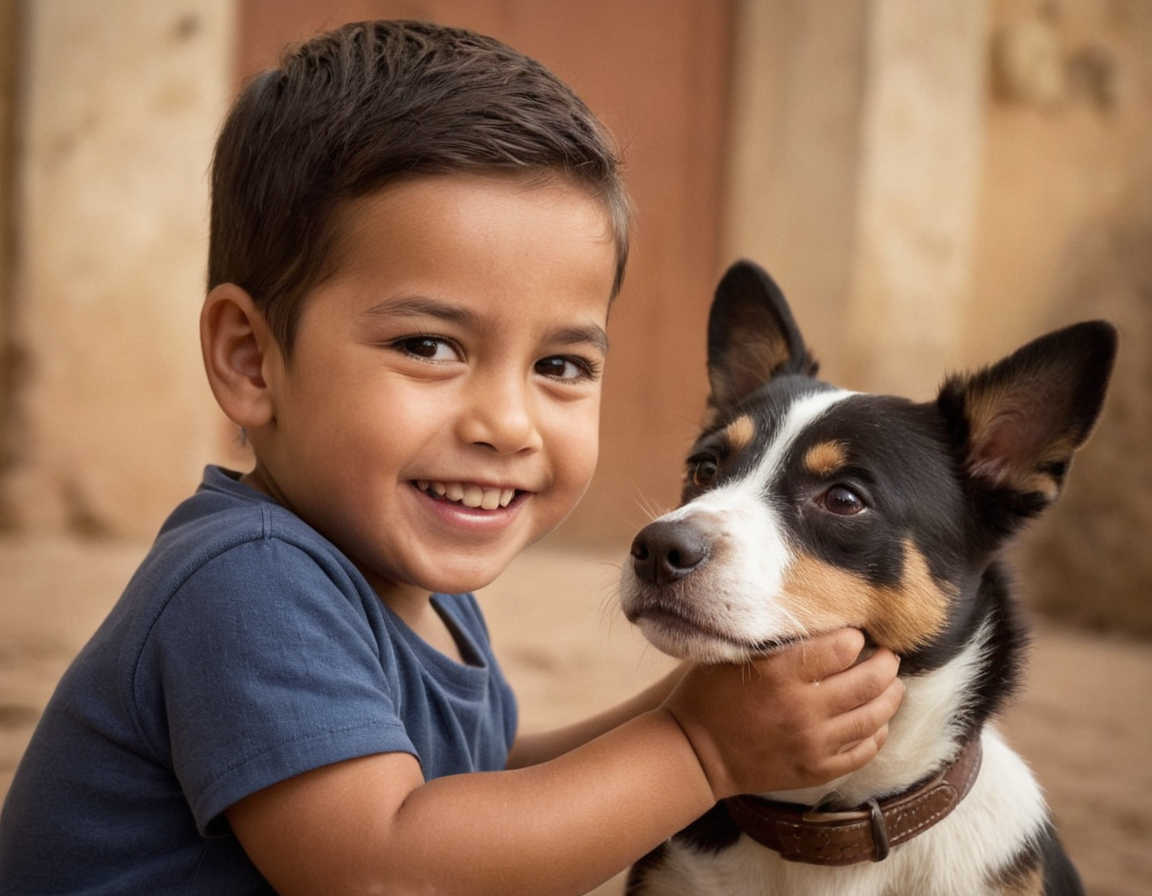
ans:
(236, 344)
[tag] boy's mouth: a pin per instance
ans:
(476, 497)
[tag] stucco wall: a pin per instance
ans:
(111, 417)
(1065, 233)
(934, 184)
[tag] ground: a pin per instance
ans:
(1083, 722)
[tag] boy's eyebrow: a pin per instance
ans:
(590, 335)
(425, 306)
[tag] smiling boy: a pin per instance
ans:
(416, 237)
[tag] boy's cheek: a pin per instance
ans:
(587, 444)
(574, 451)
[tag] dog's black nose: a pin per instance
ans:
(664, 552)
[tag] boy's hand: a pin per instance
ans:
(798, 717)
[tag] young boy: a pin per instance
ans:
(416, 236)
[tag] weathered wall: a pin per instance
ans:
(9, 26)
(1065, 233)
(858, 133)
(935, 183)
(112, 418)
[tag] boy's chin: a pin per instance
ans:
(463, 578)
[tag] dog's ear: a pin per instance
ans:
(752, 336)
(1018, 422)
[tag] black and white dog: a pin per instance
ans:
(807, 508)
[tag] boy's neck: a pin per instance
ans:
(418, 613)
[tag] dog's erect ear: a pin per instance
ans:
(1020, 421)
(752, 336)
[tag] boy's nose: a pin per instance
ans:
(500, 416)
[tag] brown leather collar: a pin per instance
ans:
(864, 834)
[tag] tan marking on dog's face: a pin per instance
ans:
(739, 433)
(823, 597)
(826, 458)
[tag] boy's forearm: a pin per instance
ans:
(531, 749)
(558, 827)
(571, 823)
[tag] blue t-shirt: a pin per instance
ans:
(246, 650)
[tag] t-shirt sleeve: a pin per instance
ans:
(261, 666)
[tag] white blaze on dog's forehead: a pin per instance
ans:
(798, 418)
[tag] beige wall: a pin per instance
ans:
(935, 183)
(9, 26)
(119, 101)
(1065, 233)
(858, 138)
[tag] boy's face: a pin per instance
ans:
(440, 411)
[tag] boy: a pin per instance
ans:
(416, 235)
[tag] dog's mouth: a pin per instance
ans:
(686, 636)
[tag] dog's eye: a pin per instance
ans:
(702, 470)
(842, 501)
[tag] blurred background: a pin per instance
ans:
(932, 182)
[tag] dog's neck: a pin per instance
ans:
(927, 733)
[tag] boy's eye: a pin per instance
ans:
(561, 368)
(430, 348)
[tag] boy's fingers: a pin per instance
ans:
(863, 682)
(822, 655)
(867, 721)
(857, 755)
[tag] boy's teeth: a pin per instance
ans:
(469, 495)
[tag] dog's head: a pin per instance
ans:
(808, 508)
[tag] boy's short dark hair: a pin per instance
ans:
(361, 106)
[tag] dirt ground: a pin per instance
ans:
(1084, 723)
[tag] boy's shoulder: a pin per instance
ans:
(225, 513)
(228, 544)
(222, 503)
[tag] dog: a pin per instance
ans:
(808, 508)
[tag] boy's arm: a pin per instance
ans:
(566, 825)
(531, 749)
